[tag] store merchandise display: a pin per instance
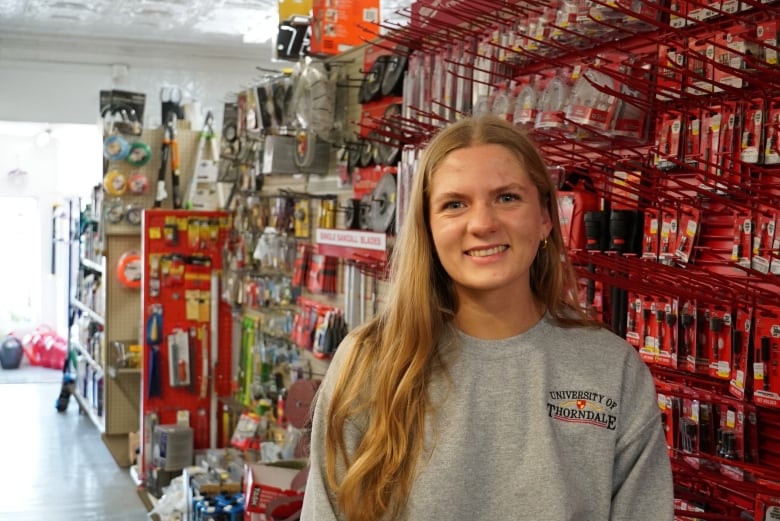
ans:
(659, 120)
(663, 154)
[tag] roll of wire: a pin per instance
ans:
(139, 154)
(128, 269)
(115, 148)
(115, 183)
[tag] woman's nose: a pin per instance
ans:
(482, 218)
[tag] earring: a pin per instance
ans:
(544, 244)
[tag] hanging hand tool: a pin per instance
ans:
(161, 194)
(170, 98)
(175, 177)
(716, 325)
(764, 357)
(646, 327)
(736, 348)
(659, 330)
(595, 232)
(671, 321)
(153, 340)
(686, 321)
(202, 193)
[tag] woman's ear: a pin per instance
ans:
(547, 224)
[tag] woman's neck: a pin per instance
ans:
(496, 320)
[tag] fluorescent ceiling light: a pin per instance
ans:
(262, 31)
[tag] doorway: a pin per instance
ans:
(20, 263)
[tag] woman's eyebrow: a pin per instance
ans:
(521, 187)
(449, 194)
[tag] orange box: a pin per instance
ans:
(339, 25)
(291, 8)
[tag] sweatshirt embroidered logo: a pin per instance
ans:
(583, 407)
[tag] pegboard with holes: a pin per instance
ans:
(129, 188)
(186, 326)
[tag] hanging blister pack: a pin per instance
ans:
(204, 193)
(179, 358)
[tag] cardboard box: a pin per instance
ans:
(172, 446)
(339, 25)
(264, 482)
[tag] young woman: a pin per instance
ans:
(481, 392)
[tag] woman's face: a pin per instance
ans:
(486, 221)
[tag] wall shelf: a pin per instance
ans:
(92, 265)
(87, 310)
(87, 409)
(83, 353)
(117, 372)
(107, 394)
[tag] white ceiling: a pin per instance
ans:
(217, 28)
(209, 22)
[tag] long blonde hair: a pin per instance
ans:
(385, 379)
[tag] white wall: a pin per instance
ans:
(57, 80)
(69, 164)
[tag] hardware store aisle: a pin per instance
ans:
(54, 465)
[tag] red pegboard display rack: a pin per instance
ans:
(187, 326)
(699, 175)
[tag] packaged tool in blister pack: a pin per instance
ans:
(633, 325)
(741, 250)
(729, 145)
(645, 311)
(740, 353)
(692, 141)
(736, 437)
(772, 132)
(671, 63)
(718, 346)
(767, 506)
(668, 141)
(752, 140)
(576, 198)
(670, 404)
(526, 101)
(592, 103)
(654, 323)
(668, 236)
(122, 112)
(764, 239)
(697, 429)
(651, 235)
(712, 122)
(555, 94)
(733, 48)
(766, 357)
(700, 69)
(688, 234)
(694, 321)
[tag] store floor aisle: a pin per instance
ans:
(54, 465)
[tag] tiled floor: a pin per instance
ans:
(54, 465)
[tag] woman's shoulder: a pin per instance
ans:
(587, 336)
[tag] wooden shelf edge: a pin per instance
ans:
(90, 412)
(94, 266)
(117, 445)
(114, 372)
(89, 311)
(83, 352)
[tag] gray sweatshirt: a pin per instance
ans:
(553, 424)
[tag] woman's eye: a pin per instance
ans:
(508, 198)
(452, 205)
